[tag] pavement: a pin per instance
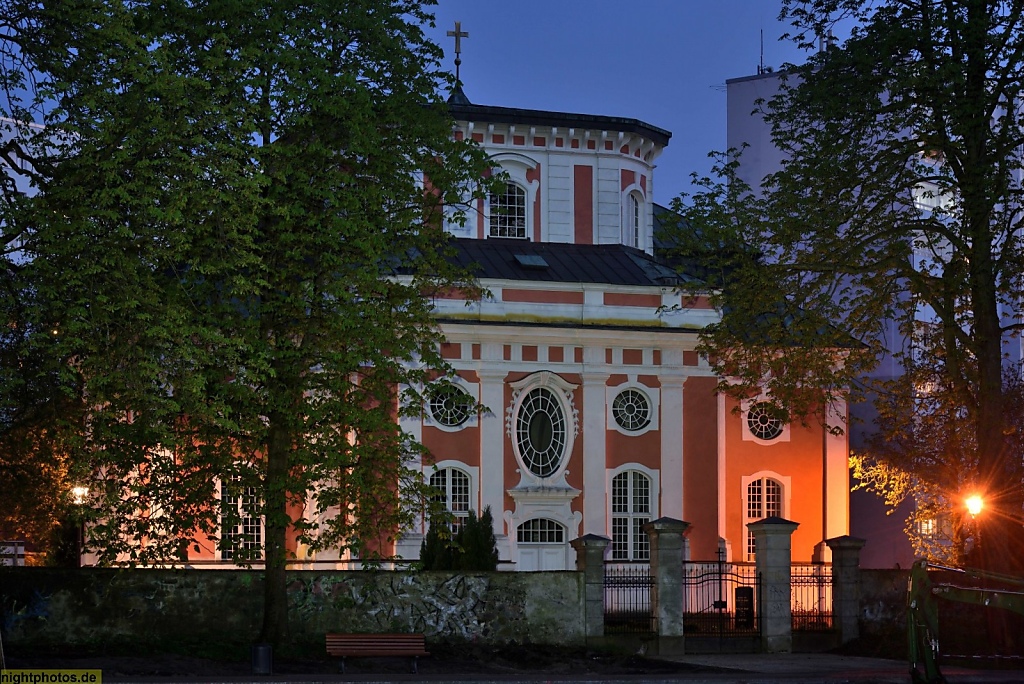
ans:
(728, 668)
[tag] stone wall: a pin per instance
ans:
(89, 607)
(883, 610)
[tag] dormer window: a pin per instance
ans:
(508, 212)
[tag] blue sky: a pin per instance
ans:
(664, 62)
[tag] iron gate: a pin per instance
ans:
(627, 598)
(721, 599)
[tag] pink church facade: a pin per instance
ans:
(601, 416)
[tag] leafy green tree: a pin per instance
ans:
(241, 239)
(35, 468)
(896, 221)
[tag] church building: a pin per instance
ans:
(601, 416)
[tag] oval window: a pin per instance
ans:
(541, 432)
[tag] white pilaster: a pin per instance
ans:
(672, 445)
(837, 477)
(408, 544)
(492, 434)
(595, 499)
(720, 400)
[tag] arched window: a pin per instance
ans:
(631, 510)
(634, 221)
(453, 492)
(540, 531)
(508, 212)
(764, 500)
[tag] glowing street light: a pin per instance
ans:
(974, 504)
(79, 494)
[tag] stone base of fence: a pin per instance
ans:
(669, 646)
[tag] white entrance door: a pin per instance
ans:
(533, 557)
(541, 545)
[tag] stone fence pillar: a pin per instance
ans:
(773, 544)
(590, 550)
(668, 551)
(846, 585)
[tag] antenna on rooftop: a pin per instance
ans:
(761, 68)
(760, 65)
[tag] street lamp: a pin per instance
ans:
(80, 494)
(974, 504)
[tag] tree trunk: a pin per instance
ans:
(275, 588)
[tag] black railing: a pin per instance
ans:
(811, 597)
(627, 598)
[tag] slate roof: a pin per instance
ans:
(463, 110)
(507, 259)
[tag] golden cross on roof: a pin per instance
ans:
(458, 34)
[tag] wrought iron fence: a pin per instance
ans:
(627, 598)
(721, 598)
(811, 597)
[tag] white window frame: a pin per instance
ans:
(515, 166)
(244, 521)
(562, 391)
(556, 525)
(633, 232)
(654, 479)
(474, 487)
(470, 388)
(653, 395)
(748, 436)
(786, 483)
(509, 218)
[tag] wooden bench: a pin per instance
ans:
(376, 645)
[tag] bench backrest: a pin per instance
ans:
(397, 644)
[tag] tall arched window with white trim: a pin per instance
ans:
(634, 220)
(764, 500)
(631, 510)
(507, 209)
(453, 492)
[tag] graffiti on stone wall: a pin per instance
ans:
(37, 608)
(462, 607)
(141, 606)
(457, 607)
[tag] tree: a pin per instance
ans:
(472, 549)
(478, 549)
(34, 466)
(899, 205)
(437, 551)
(240, 241)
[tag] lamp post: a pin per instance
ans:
(974, 504)
(79, 495)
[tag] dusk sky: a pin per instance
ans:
(664, 62)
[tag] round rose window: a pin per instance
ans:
(763, 421)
